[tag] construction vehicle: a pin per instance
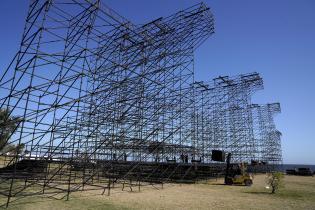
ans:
(236, 174)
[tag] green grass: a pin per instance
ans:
(298, 193)
(73, 203)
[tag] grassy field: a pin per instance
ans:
(299, 193)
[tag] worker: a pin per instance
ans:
(182, 158)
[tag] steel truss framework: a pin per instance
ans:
(266, 135)
(227, 120)
(104, 102)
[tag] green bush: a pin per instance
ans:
(275, 181)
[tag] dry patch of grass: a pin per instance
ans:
(299, 193)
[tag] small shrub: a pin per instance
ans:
(275, 181)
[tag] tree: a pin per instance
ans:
(8, 125)
(8, 148)
(19, 148)
(275, 181)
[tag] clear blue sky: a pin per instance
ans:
(274, 38)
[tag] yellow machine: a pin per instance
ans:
(237, 176)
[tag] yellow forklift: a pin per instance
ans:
(237, 174)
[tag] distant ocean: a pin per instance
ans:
(293, 166)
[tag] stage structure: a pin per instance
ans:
(98, 102)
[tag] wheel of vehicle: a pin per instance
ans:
(229, 181)
(248, 182)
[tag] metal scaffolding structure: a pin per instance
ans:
(103, 102)
(226, 120)
(266, 135)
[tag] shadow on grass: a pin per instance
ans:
(215, 183)
(258, 192)
(76, 203)
(233, 185)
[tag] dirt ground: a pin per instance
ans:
(299, 193)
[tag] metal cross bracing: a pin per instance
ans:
(224, 119)
(267, 136)
(103, 102)
(92, 89)
(227, 120)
